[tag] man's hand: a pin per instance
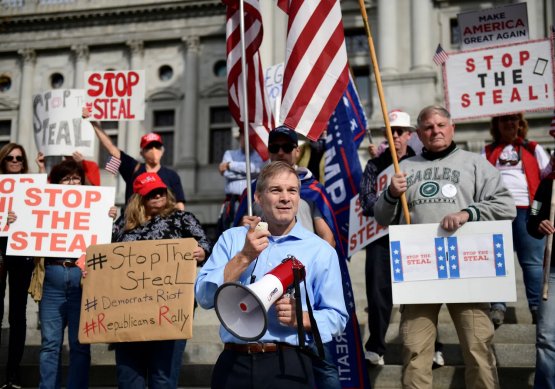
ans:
(546, 228)
(285, 310)
(256, 240)
(453, 221)
(398, 184)
(40, 162)
(77, 157)
(223, 167)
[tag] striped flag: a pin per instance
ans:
(440, 56)
(316, 67)
(112, 165)
(260, 117)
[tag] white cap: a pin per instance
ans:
(400, 119)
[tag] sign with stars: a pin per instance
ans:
(474, 264)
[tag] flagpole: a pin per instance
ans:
(245, 106)
(383, 104)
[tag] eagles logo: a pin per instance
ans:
(429, 189)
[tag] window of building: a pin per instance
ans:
(165, 73)
(356, 43)
(220, 133)
(13, 3)
(455, 32)
(56, 80)
(361, 75)
(5, 131)
(51, 2)
(111, 129)
(5, 83)
(163, 123)
(220, 68)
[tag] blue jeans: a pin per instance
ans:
(149, 363)
(325, 371)
(529, 251)
(60, 307)
(545, 340)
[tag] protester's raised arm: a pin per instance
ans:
(102, 136)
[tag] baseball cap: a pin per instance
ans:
(151, 137)
(399, 118)
(285, 131)
(147, 182)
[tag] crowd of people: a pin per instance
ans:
(512, 180)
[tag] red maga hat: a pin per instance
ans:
(147, 182)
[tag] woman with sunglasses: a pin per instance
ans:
(13, 160)
(151, 215)
(522, 164)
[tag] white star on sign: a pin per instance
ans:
(453, 257)
(454, 267)
(499, 255)
(395, 252)
(397, 261)
(397, 270)
(498, 245)
(499, 264)
(452, 248)
(442, 267)
(440, 258)
(439, 248)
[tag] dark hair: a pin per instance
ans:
(64, 169)
(522, 126)
(6, 150)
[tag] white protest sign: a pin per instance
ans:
(57, 123)
(474, 264)
(8, 183)
(499, 80)
(60, 220)
(116, 95)
(273, 82)
(363, 230)
(494, 26)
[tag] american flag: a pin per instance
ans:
(112, 165)
(440, 56)
(316, 67)
(260, 115)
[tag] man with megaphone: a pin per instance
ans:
(249, 258)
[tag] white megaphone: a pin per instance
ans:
(242, 309)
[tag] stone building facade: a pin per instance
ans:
(48, 44)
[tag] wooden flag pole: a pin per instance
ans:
(245, 106)
(383, 104)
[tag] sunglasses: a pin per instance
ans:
(155, 192)
(397, 130)
(286, 147)
(13, 158)
(153, 145)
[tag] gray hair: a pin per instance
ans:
(271, 170)
(430, 110)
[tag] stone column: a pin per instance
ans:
(133, 132)
(187, 134)
(420, 28)
(81, 57)
(387, 36)
(25, 134)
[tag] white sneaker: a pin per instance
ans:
(374, 358)
(438, 358)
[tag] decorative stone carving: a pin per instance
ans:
(29, 56)
(81, 52)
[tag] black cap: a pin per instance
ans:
(285, 131)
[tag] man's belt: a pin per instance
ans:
(257, 348)
(61, 262)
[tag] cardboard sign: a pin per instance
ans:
(500, 80)
(494, 26)
(60, 220)
(363, 230)
(8, 182)
(474, 264)
(57, 123)
(137, 291)
(117, 96)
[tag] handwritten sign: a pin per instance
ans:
(57, 123)
(118, 96)
(59, 220)
(500, 80)
(494, 26)
(137, 291)
(364, 230)
(8, 182)
(273, 82)
(474, 264)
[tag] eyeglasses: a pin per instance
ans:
(286, 147)
(398, 130)
(72, 179)
(156, 192)
(13, 158)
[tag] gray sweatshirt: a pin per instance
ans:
(459, 181)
